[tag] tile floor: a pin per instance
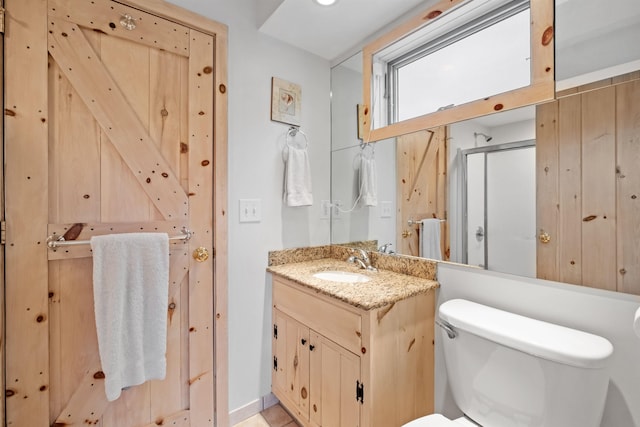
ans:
(274, 416)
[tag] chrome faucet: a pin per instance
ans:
(386, 249)
(363, 260)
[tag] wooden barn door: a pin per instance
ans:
(421, 159)
(110, 129)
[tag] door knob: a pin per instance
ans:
(406, 233)
(201, 254)
(544, 237)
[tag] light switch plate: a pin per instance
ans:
(385, 209)
(325, 209)
(337, 205)
(250, 210)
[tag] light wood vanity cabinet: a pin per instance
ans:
(337, 365)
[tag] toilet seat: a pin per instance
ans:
(438, 420)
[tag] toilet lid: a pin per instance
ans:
(435, 420)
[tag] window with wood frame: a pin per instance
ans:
(462, 59)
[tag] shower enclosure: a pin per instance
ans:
(499, 211)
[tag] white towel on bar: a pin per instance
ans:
(430, 239)
(368, 180)
(130, 292)
(297, 179)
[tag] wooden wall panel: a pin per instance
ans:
(598, 152)
(599, 189)
(628, 161)
(570, 190)
(547, 189)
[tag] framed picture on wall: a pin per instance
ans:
(286, 102)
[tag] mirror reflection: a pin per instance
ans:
(450, 174)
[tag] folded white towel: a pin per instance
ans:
(368, 180)
(130, 292)
(297, 180)
(430, 239)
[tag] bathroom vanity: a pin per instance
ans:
(352, 354)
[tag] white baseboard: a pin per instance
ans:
(269, 400)
(252, 408)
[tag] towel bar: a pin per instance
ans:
(412, 222)
(54, 242)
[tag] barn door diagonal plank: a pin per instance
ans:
(89, 401)
(82, 66)
(427, 151)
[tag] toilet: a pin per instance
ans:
(508, 370)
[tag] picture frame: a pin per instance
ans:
(286, 102)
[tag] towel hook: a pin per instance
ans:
(293, 132)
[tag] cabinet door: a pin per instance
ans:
(291, 374)
(335, 373)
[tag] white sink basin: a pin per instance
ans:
(341, 276)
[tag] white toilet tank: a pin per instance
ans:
(507, 370)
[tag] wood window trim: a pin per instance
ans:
(541, 89)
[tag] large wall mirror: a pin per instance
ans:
(495, 183)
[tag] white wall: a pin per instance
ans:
(604, 313)
(256, 172)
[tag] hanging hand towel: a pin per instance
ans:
(430, 239)
(130, 292)
(368, 180)
(297, 180)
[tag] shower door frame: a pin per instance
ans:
(463, 169)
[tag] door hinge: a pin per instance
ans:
(275, 363)
(275, 331)
(3, 232)
(359, 392)
(2, 10)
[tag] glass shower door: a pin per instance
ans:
(500, 217)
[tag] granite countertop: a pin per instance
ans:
(385, 287)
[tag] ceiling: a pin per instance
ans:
(329, 31)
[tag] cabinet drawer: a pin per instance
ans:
(334, 322)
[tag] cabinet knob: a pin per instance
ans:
(311, 347)
(303, 341)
